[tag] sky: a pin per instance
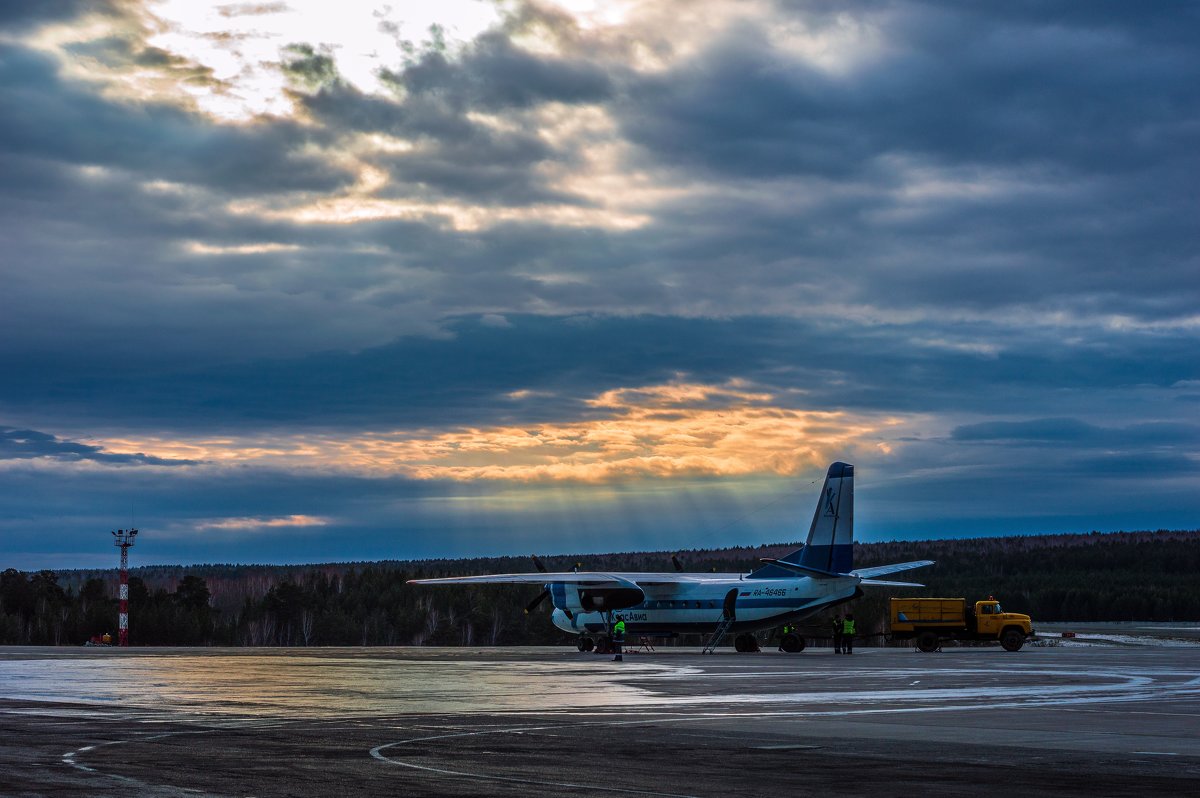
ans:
(288, 282)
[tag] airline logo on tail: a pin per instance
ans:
(829, 497)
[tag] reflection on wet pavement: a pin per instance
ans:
(327, 682)
(359, 683)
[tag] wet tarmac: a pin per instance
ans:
(548, 721)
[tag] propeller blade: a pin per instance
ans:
(678, 564)
(537, 563)
(533, 604)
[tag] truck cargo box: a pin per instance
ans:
(908, 613)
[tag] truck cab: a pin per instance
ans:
(991, 621)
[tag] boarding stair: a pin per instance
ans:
(717, 636)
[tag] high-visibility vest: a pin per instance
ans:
(619, 630)
(847, 627)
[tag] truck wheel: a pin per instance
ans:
(1012, 639)
(927, 642)
(586, 643)
(792, 644)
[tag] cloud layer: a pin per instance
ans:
(650, 244)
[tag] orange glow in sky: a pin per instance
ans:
(676, 429)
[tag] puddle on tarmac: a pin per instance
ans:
(325, 682)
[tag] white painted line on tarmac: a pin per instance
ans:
(69, 757)
(377, 752)
(1137, 712)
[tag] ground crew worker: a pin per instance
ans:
(618, 638)
(787, 630)
(837, 634)
(848, 633)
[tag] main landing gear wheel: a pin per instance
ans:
(586, 643)
(603, 645)
(792, 644)
(745, 643)
(1012, 640)
(927, 642)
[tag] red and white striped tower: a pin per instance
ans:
(124, 539)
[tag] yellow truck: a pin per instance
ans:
(932, 620)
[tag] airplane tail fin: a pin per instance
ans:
(830, 544)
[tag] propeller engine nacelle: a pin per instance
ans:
(582, 598)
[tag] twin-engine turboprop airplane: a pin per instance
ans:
(819, 575)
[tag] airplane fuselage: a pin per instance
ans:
(680, 608)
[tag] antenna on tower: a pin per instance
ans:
(124, 538)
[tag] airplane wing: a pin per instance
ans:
(878, 582)
(881, 570)
(594, 578)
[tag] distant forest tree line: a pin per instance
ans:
(1121, 576)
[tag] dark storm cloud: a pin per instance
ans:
(494, 74)
(465, 379)
(1103, 112)
(955, 84)
(46, 117)
(739, 111)
(481, 165)
(71, 302)
(1073, 448)
(26, 444)
(454, 154)
(1054, 431)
